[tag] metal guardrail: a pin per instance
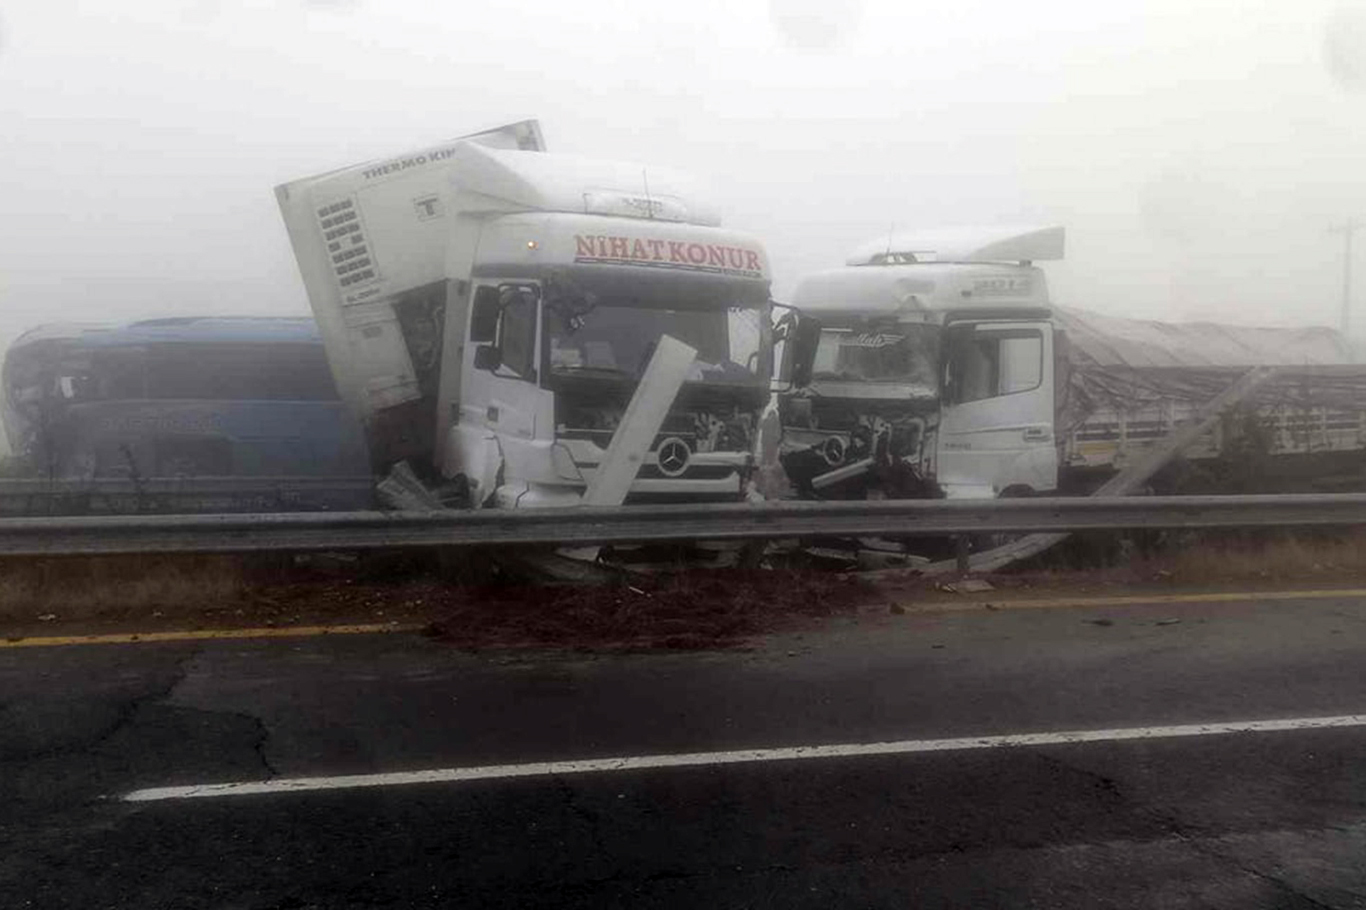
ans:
(640, 524)
(164, 495)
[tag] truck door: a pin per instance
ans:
(996, 427)
(501, 388)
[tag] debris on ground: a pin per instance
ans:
(974, 586)
(832, 557)
(681, 611)
(563, 567)
(875, 560)
(883, 544)
(965, 586)
(403, 490)
(478, 598)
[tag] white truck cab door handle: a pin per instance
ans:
(1036, 434)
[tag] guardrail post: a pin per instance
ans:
(960, 553)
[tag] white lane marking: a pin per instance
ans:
(742, 756)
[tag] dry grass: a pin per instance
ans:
(116, 585)
(1255, 559)
(1278, 557)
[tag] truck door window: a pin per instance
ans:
(517, 335)
(484, 318)
(991, 364)
(1021, 360)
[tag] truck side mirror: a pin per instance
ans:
(487, 357)
(484, 315)
(806, 337)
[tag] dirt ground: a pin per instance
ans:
(684, 610)
(691, 609)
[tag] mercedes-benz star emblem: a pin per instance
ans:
(833, 451)
(673, 454)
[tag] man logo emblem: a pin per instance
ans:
(673, 455)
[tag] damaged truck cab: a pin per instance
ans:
(566, 312)
(934, 375)
(489, 310)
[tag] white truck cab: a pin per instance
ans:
(935, 370)
(567, 310)
(489, 309)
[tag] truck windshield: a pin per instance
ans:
(904, 354)
(618, 341)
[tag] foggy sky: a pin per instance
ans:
(1197, 151)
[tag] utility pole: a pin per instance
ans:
(1347, 229)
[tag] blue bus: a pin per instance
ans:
(229, 405)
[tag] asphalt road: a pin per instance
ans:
(1245, 820)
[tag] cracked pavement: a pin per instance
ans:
(1274, 820)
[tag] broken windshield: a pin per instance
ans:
(618, 341)
(894, 353)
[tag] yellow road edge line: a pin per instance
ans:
(138, 638)
(1136, 600)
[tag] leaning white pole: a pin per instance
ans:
(644, 417)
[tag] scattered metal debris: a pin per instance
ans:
(974, 586)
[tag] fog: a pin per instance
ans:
(1197, 151)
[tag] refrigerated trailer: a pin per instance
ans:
(489, 309)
